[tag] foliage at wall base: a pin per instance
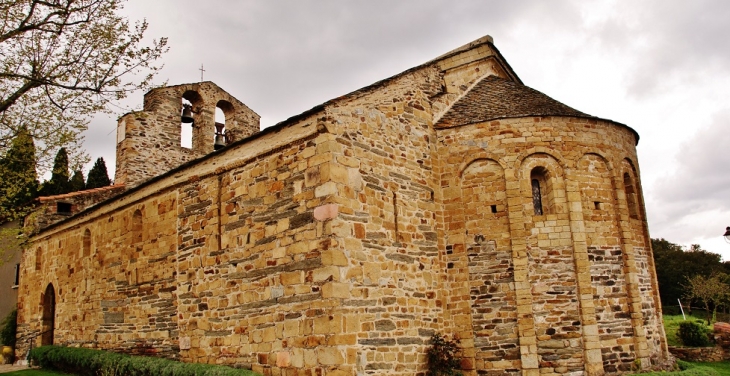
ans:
(443, 357)
(88, 362)
(9, 328)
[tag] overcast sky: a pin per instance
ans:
(660, 66)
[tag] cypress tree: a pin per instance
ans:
(98, 176)
(59, 183)
(77, 182)
(18, 177)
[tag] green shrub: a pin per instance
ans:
(693, 333)
(683, 366)
(9, 329)
(442, 357)
(88, 362)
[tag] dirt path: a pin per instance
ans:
(5, 368)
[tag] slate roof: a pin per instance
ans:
(497, 98)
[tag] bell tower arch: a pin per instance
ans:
(149, 142)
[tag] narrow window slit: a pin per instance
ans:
(631, 199)
(494, 208)
(395, 216)
(17, 275)
(536, 197)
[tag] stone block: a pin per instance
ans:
(329, 356)
(336, 290)
(334, 257)
(283, 359)
(326, 189)
(325, 212)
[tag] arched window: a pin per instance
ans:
(220, 116)
(541, 191)
(536, 196)
(190, 105)
(631, 200)
(87, 243)
(186, 124)
(223, 111)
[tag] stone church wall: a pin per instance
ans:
(338, 242)
(387, 224)
(558, 295)
(228, 262)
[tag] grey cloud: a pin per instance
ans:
(699, 179)
(683, 40)
(282, 58)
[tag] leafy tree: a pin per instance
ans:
(19, 183)
(674, 265)
(9, 328)
(59, 183)
(98, 176)
(63, 61)
(18, 187)
(711, 291)
(443, 357)
(77, 182)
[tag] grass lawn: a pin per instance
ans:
(722, 368)
(696, 369)
(671, 325)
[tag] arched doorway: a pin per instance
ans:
(49, 315)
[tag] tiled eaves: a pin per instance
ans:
(80, 193)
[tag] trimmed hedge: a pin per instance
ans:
(695, 334)
(89, 362)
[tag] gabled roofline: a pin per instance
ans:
(187, 84)
(505, 64)
(485, 40)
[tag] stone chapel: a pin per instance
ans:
(449, 198)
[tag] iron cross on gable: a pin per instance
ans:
(201, 72)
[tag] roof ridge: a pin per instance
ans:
(79, 193)
(438, 117)
(466, 47)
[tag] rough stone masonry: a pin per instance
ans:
(450, 198)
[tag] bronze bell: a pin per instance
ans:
(187, 115)
(220, 140)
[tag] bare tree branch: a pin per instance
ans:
(61, 61)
